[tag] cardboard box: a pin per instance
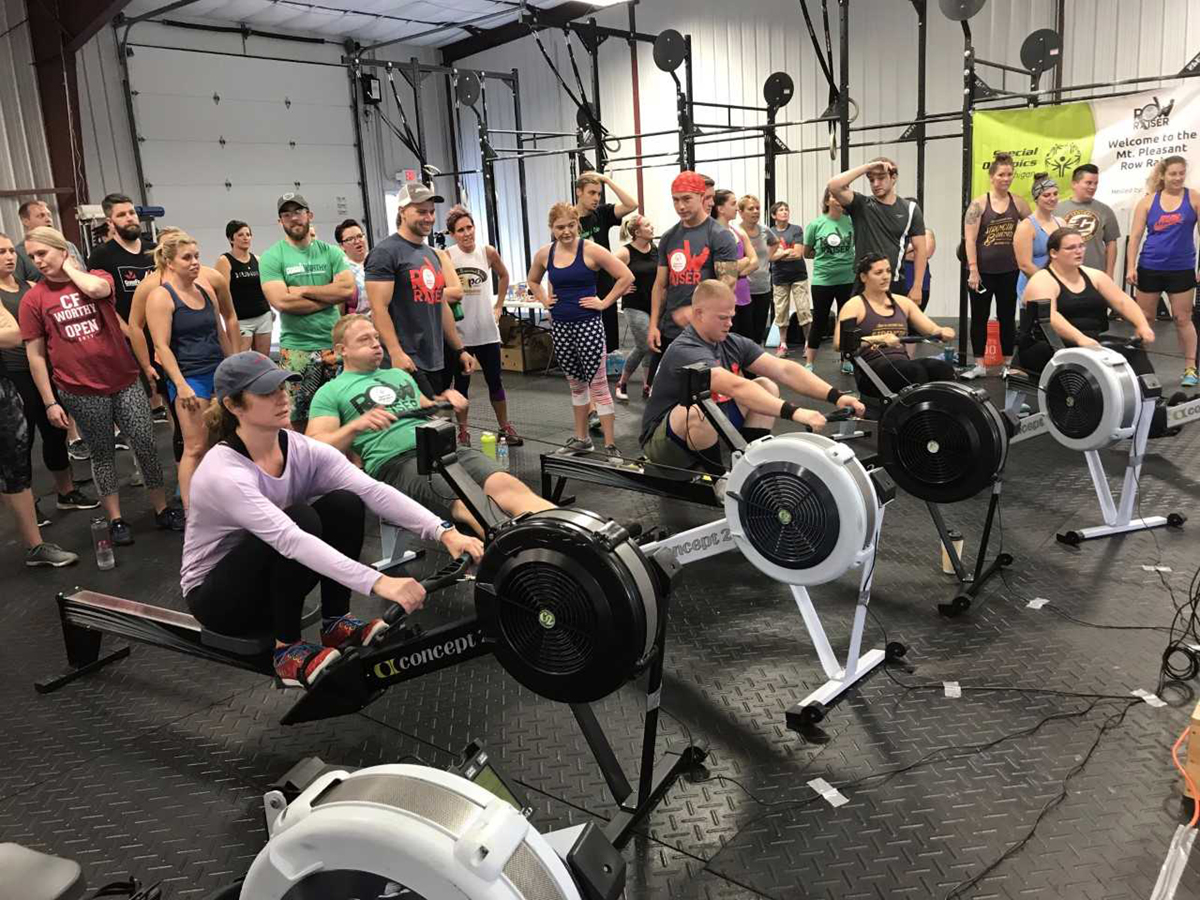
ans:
(533, 352)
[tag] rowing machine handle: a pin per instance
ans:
(841, 414)
(421, 412)
(921, 339)
(442, 578)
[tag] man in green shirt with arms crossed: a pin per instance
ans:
(306, 280)
(356, 413)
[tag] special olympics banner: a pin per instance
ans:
(1124, 137)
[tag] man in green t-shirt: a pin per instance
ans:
(356, 412)
(306, 280)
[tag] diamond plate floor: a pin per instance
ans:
(157, 765)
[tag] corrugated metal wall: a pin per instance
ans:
(24, 161)
(735, 48)
(108, 147)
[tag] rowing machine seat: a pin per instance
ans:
(30, 875)
(258, 642)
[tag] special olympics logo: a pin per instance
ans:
(381, 395)
(678, 260)
(429, 278)
(1061, 158)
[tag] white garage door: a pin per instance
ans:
(223, 136)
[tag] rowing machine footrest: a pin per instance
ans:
(259, 642)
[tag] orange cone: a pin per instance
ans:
(991, 354)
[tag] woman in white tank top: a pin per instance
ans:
(481, 310)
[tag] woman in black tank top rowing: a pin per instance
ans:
(1080, 298)
(883, 318)
(240, 268)
(637, 251)
(190, 343)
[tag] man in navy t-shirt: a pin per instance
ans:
(675, 433)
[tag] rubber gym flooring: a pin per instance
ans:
(157, 766)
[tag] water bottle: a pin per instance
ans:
(487, 444)
(102, 540)
(502, 453)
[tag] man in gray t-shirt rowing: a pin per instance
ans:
(675, 433)
(883, 222)
(1095, 221)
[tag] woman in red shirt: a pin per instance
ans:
(70, 326)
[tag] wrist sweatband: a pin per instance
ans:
(833, 396)
(787, 410)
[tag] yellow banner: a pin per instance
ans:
(1051, 139)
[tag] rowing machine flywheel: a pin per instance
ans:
(943, 442)
(569, 602)
(1091, 397)
(801, 507)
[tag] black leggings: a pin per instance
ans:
(1034, 355)
(54, 440)
(823, 298)
(1004, 288)
(488, 356)
(254, 589)
(753, 319)
(899, 372)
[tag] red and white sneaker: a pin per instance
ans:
(349, 631)
(464, 438)
(510, 435)
(301, 664)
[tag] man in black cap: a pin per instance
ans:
(411, 287)
(306, 280)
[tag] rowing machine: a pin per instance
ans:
(803, 510)
(945, 442)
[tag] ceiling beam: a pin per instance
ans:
(494, 37)
(84, 18)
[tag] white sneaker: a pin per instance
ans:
(976, 371)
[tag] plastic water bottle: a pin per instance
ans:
(502, 453)
(487, 444)
(102, 540)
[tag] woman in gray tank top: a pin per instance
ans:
(882, 318)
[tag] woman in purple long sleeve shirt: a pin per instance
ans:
(273, 513)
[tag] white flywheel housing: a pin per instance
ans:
(801, 507)
(1091, 397)
(388, 828)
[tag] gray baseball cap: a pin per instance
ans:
(291, 197)
(249, 371)
(415, 192)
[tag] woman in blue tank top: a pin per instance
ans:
(577, 326)
(1167, 216)
(190, 343)
(1032, 233)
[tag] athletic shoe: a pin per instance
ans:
(40, 517)
(575, 447)
(594, 423)
(171, 518)
(612, 451)
(76, 499)
(121, 533)
(510, 435)
(120, 442)
(1189, 378)
(976, 371)
(464, 438)
(159, 415)
(621, 393)
(349, 631)
(301, 664)
(781, 350)
(46, 554)
(808, 366)
(847, 367)
(77, 449)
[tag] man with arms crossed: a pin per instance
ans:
(305, 280)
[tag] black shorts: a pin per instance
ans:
(433, 491)
(1160, 281)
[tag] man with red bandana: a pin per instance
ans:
(693, 250)
(411, 288)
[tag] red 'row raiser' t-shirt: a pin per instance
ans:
(87, 350)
